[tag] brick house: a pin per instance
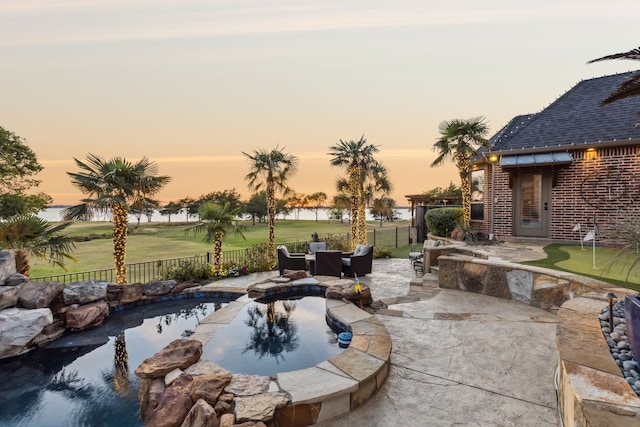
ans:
(573, 162)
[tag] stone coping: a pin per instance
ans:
(592, 389)
(336, 386)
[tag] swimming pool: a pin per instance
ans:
(87, 379)
(266, 338)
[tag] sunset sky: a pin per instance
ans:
(193, 83)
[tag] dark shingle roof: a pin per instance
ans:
(574, 118)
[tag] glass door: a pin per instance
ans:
(531, 204)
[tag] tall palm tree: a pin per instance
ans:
(459, 140)
(216, 221)
(111, 187)
(271, 170)
(628, 88)
(27, 235)
(365, 177)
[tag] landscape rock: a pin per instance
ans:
(125, 294)
(16, 279)
(180, 353)
(38, 294)
(7, 265)
(8, 296)
(209, 387)
(19, 326)
(348, 291)
(159, 287)
(84, 292)
(201, 415)
(174, 404)
(87, 316)
(206, 367)
(180, 287)
(294, 274)
(247, 385)
(150, 391)
(260, 407)
(227, 420)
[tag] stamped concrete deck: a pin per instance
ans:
(457, 358)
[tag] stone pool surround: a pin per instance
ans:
(591, 388)
(333, 387)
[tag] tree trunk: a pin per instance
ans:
(271, 214)
(120, 228)
(354, 189)
(22, 262)
(217, 254)
(465, 186)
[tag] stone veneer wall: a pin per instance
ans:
(592, 390)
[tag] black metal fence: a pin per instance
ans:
(143, 272)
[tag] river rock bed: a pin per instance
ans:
(619, 346)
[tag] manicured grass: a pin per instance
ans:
(155, 241)
(573, 258)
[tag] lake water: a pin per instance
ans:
(55, 214)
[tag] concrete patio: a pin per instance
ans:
(457, 358)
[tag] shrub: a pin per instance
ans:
(381, 252)
(442, 221)
(189, 271)
(256, 259)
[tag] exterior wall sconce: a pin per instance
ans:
(590, 154)
(493, 158)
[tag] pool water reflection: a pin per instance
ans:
(278, 336)
(87, 379)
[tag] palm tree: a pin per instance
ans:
(458, 141)
(112, 186)
(27, 235)
(271, 170)
(628, 88)
(365, 177)
(216, 221)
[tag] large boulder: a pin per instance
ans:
(16, 279)
(150, 390)
(180, 353)
(7, 265)
(174, 404)
(87, 316)
(125, 294)
(159, 287)
(19, 326)
(38, 294)
(8, 296)
(84, 292)
(201, 415)
(356, 292)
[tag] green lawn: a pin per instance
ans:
(154, 241)
(579, 260)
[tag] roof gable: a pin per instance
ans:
(577, 117)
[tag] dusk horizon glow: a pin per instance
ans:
(192, 84)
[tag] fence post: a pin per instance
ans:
(396, 237)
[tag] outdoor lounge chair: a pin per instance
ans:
(328, 263)
(358, 262)
(287, 261)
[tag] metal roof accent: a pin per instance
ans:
(522, 160)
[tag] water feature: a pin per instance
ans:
(276, 336)
(86, 379)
